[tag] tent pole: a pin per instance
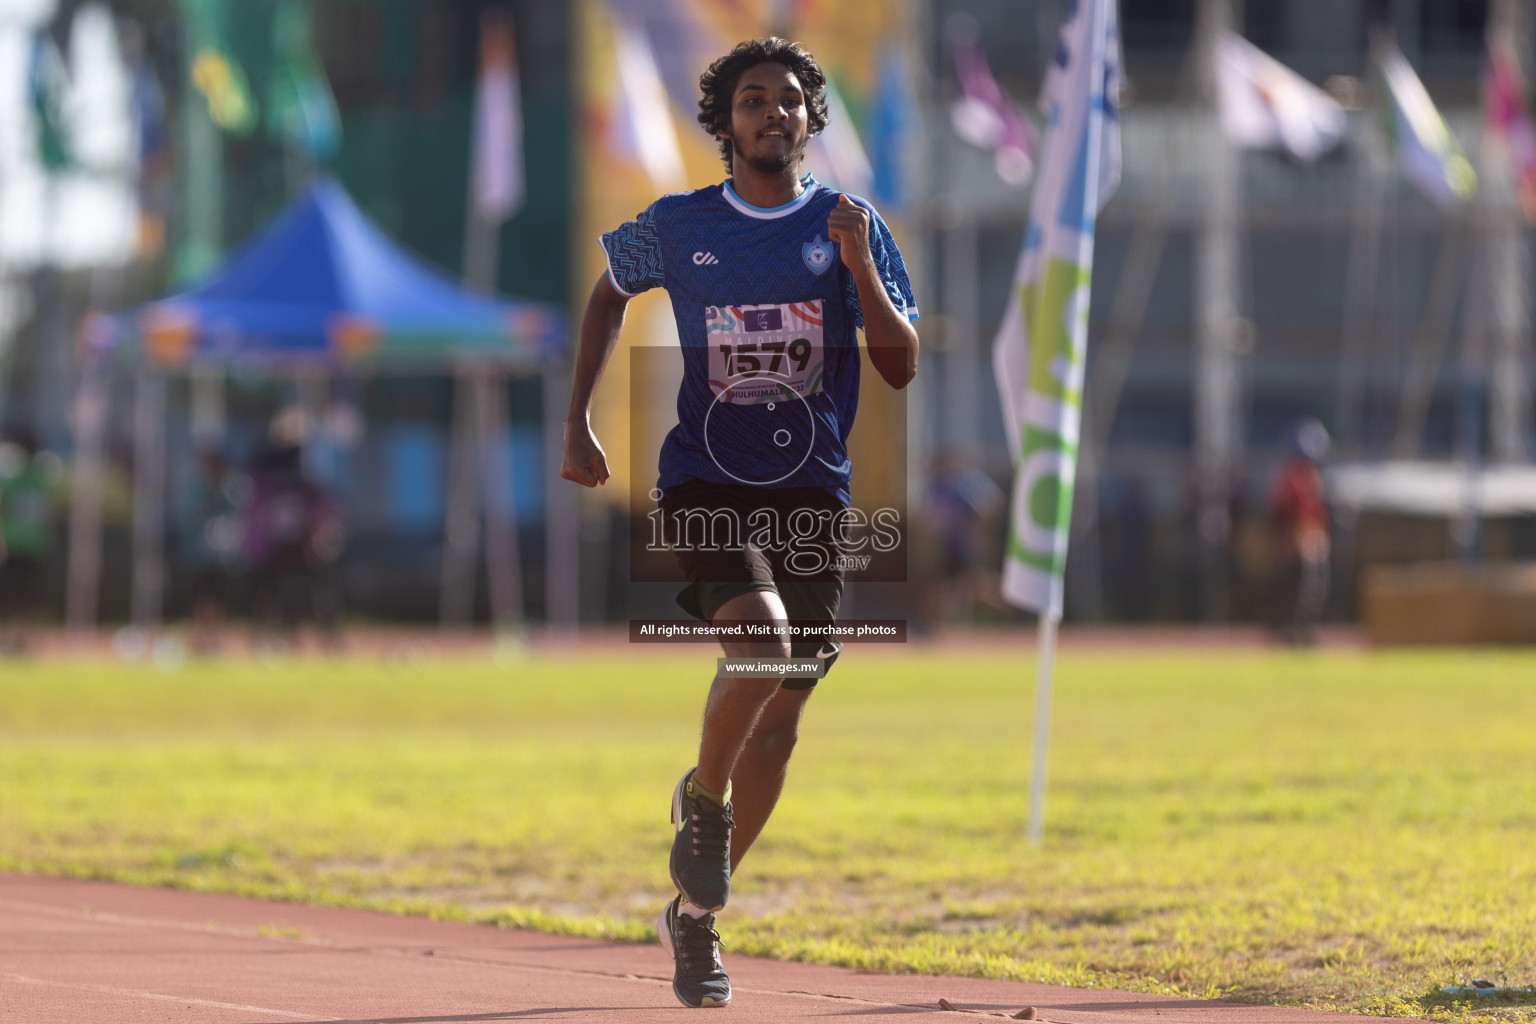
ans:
(311, 390)
(148, 498)
(502, 562)
(561, 515)
(208, 404)
(461, 520)
(517, 608)
(83, 580)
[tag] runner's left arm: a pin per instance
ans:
(582, 458)
(634, 257)
(891, 338)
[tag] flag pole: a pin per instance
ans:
(1044, 677)
(1509, 392)
(494, 193)
(1047, 328)
(1217, 391)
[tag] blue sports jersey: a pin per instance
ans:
(766, 314)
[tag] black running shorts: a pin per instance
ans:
(733, 539)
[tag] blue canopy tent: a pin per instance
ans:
(321, 286)
(321, 290)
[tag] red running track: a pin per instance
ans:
(77, 952)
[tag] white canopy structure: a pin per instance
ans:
(1439, 489)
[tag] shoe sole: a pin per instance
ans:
(664, 933)
(677, 815)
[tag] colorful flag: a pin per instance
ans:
(836, 156)
(300, 107)
(223, 84)
(1041, 348)
(680, 41)
(95, 210)
(1430, 155)
(892, 143)
(1266, 105)
(99, 111)
(498, 145)
(985, 117)
(645, 124)
(47, 84)
(1507, 114)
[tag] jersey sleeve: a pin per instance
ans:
(889, 265)
(633, 250)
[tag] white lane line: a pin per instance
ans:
(644, 979)
(439, 953)
(107, 917)
(161, 997)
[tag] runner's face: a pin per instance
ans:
(768, 119)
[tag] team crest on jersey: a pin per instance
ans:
(817, 255)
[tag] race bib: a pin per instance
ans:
(762, 354)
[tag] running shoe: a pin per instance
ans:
(698, 978)
(701, 848)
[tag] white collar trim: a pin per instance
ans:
(812, 186)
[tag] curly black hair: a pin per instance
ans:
(718, 83)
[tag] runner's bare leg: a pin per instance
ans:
(760, 771)
(734, 704)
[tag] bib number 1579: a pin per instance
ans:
(749, 358)
(766, 353)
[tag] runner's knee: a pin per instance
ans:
(768, 647)
(763, 685)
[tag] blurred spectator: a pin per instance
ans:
(1299, 531)
(29, 482)
(293, 538)
(959, 507)
(212, 547)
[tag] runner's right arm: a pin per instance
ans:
(582, 459)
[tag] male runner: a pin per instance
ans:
(769, 273)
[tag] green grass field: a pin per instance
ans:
(1342, 831)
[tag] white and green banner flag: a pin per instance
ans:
(1041, 348)
(1429, 154)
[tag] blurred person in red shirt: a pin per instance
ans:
(1298, 513)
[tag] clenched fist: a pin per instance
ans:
(582, 460)
(848, 226)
